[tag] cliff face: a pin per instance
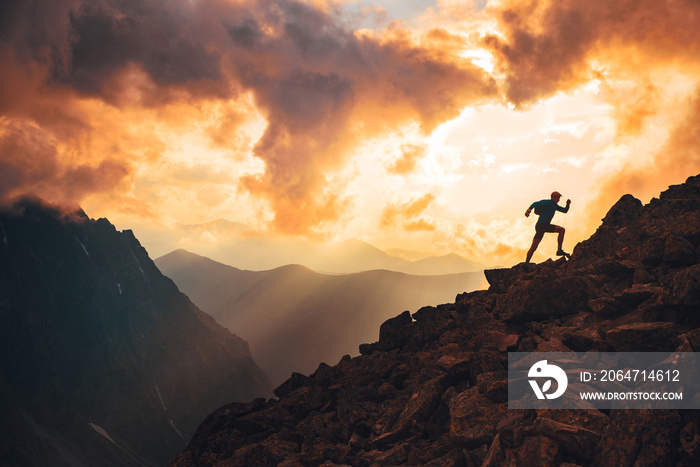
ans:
(102, 360)
(433, 389)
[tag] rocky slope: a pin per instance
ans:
(102, 360)
(432, 390)
(293, 317)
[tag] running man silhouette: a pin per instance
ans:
(546, 210)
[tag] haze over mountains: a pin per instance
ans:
(237, 245)
(103, 361)
(295, 318)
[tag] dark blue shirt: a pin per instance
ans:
(547, 209)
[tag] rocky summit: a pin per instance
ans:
(433, 389)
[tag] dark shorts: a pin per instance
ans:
(540, 229)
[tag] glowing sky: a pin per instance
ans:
(415, 125)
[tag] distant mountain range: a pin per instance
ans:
(295, 318)
(103, 361)
(237, 245)
(356, 255)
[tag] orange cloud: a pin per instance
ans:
(29, 163)
(335, 82)
(417, 207)
(678, 159)
(320, 87)
(410, 155)
(633, 107)
(549, 47)
(406, 215)
(502, 250)
(419, 225)
(95, 96)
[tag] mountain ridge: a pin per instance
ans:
(103, 361)
(433, 389)
(295, 317)
(256, 253)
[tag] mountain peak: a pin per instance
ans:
(103, 361)
(33, 206)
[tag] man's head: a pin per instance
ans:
(556, 196)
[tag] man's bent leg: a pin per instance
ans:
(560, 238)
(535, 243)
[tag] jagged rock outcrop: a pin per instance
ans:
(102, 360)
(432, 390)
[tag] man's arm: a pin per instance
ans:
(566, 209)
(529, 210)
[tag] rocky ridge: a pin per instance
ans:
(433, 389)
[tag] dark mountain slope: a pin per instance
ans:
(294, 317)
(433, 389)
(102, 360)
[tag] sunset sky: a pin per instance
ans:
(425, 126)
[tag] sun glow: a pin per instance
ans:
(412, 125)
(481, 58)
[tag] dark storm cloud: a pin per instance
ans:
(315, 81)
(29, 164)
(157, 36)
(549, 46)
(86, 43)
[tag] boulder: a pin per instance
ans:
(690, 439)
(643, 337)
(501, 279)
(639, 437)
(271, 451)
(606, 305)
(540, 451)
(297, 380)
(456, 365)
(454, 458)
(642, 276)
(694, 339)
(651, 252)
(682, 290)
(624, 212)
(473, 419)
(394, 456)
(605, 242)
(583, 340)
(434, 322)
(616, 268)
(501, 341)
(542, 297)
(421, 406)
(395, 332)
(496, 454)
(497, 391)
(679, 251)
(577, 440)
(637, 294)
